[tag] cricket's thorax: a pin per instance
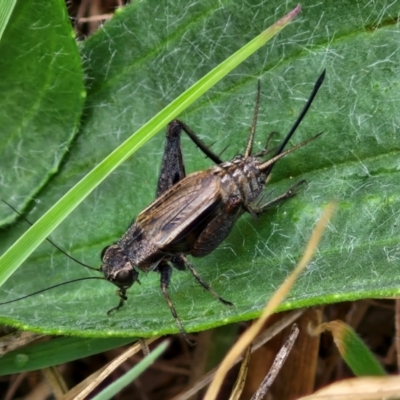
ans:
(195, 215)
(241, 178)
(139, 248)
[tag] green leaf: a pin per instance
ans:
(143, 59)
(42, 99)
(353, 350)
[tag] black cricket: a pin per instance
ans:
(193, 214)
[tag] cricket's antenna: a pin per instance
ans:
(267, 165)
(314, 92)
(50, 241)
(52, 287)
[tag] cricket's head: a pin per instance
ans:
(117, 268)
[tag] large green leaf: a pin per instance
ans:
(146, 56)
(42, 97)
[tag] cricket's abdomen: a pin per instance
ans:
(241, 179)
(241, 182)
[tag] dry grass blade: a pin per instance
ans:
(277, 365)
(55, 381)
(81, 391)
(372, 388)
(301, 367)
(144, 346)
(397, 337)
(16, 340)
(199, 357)
(258, 342)
(276, 299)
(241, 379)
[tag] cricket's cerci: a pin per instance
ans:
(193, 214)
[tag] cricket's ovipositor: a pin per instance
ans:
(193, 214)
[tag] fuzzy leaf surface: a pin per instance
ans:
(146, 56)
(42, 99)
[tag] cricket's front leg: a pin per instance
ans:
(172, 168)
(165, 276)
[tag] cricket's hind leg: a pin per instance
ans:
(258, 210)
(199, 143)
(172, 167)
(181, 263)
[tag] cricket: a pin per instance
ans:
(192, 215)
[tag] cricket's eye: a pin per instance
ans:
(104, 252)
(124, 278)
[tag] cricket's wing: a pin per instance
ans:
(176, 219)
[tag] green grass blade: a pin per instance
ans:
(55, 352)
(126, 379)
(6, 9)
(29, 241)
(354, 351)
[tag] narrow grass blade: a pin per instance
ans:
(353, 350)
(55, 352)
(6, 9)
(126, 379)
(31, 239)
